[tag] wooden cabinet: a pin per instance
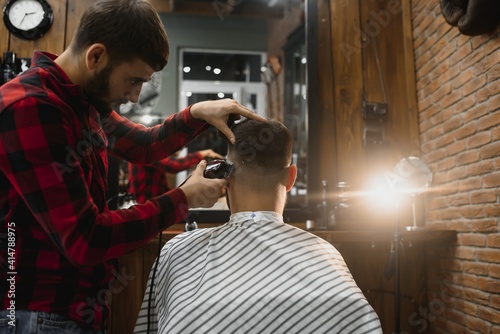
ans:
(125, 304)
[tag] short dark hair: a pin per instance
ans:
(261, 147)
(129, 29)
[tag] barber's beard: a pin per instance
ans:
(97, 90)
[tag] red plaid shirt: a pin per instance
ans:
(58, 239)
(148, 181)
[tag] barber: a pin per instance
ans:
(59, 243)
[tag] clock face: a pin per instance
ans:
(26, 14)
(28, 19)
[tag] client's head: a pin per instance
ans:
(262, 173)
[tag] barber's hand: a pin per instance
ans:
(200, 191)
(210, 154)
(217, 112)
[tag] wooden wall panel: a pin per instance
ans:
(350, 34)
(75, 10)
(53, 41)
(163, 6)
(4, 39)
(347, 78)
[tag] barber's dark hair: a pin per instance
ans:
(261, 146)
(129, 29)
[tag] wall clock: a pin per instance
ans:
(28, 19)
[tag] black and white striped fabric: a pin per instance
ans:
(254, 274)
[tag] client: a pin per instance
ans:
(254, 274)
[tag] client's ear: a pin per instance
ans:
(292, 175)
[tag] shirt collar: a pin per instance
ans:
(46, 60)
(256, 216)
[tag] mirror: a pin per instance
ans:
(295, 111)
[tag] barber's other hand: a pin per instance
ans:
(217, 112)
(200, 191)
(210, 154)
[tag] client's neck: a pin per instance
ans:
(251, 201)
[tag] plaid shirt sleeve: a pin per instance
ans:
(173, 164)
(47, 165)
(139, 144)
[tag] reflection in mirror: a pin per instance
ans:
(295, 110)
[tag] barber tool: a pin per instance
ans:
(218, 169)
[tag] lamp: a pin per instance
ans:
(411, 176)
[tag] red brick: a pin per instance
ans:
(464, 104)
(452, 74)
(480, 40)
(472, 239)
(489, 121)
(483, 196)
(441, 92)
(452, 215)
(476, 268)
(490, 151)
(495, 301)
(444, 141)
(489, 255)
(472, 59)
(456, 200)
(494, 270)
(441, 68)
(492, 180)
(438, 203)
(456, 147)
(446, 120)
(443, 29)
(477, 325)
(492, 210)
(471, 183)
(467, 253)
(464, 77)
(482, 167)
(459, 54)
(488, 285)
(492, 47)
(425, 103)
(476, 296)
(429, 89)
(472, 211)
(456, 316)
(474, 85)
(480, 139)
(468, 156)
(493, 240)
(429, 65)
(475, 112)
(494, 103)
(483, 225)
(435, 155)
(463, 39)
(493, 73)
(465, 131)
(489, 314)
(458, 173)
(487, 92)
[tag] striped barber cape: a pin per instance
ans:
(254, 274)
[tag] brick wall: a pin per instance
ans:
(458, 89)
